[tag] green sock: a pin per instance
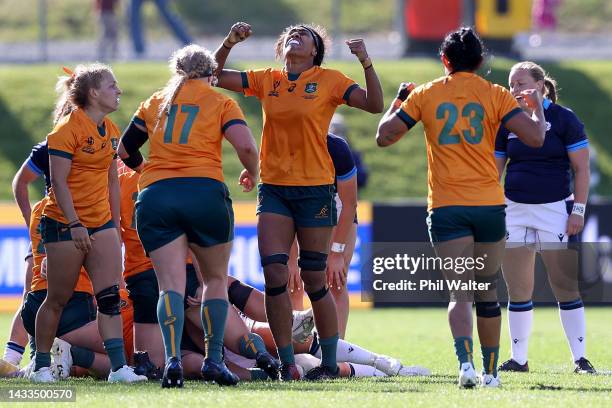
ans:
(250, 344)
(329, 346)
(116, 353)
(257, 374)
(42, 360)
(464, 349)
(490, 355)
(214, 315)
(285, 354)
(171, 317)
(82, 357)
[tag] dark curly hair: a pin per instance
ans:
(318, 34)
(464, 49)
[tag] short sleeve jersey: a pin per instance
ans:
(187, 141)
(542, 175)
(461, 114)
(38, 162)
(135, 259)
(38, 252)
(297, 110)
(91, 149)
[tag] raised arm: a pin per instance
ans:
(227, 78)
(530, 130)
(392, 127)
(369, 99)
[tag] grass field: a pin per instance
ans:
(27, 96)
(417, 336)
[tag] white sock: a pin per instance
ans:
(13, 353)
(352, 353)
(574, 325)
(366, 371)
(520, 321)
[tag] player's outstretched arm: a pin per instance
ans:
(231, 79)
(371, 98)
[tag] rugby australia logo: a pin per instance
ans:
(311, 87)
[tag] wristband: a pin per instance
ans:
(77, 225)
(231, 43)
(579, 209)
(366, 62)
(368, 67)
(337, 247)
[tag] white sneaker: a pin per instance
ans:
(25, 372)
(467, 376)
(303, 323)
(490, 381)
(388, 365)
(44, 375)
(62, 357)
(125, 375)
(411, 371)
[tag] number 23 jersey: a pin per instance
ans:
(461, 114)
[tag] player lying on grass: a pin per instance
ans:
(250, 302)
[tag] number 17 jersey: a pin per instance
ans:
(187, 141)
(461, 114)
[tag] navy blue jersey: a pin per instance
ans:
(38, 162)
(542, 175)
(341, 155)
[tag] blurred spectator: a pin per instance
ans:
(173, 21)
(544, 13)
(109, 29)
(338, 128)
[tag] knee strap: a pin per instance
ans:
(318, 295)
(273, 259)
(109, 301)
(312, 261)
(279, 290)
(488, 309)
(238, 294)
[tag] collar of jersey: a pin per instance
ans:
(295, 77)
(546, 103)
(84, 116)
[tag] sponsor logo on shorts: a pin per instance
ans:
(169, 320)
(560, 236)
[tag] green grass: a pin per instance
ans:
(416, 336)
(27, 96)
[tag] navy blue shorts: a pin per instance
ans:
(484, 223)
(198, 207)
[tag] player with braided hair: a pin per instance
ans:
(183, 202)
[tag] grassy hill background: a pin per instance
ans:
(27, 98)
